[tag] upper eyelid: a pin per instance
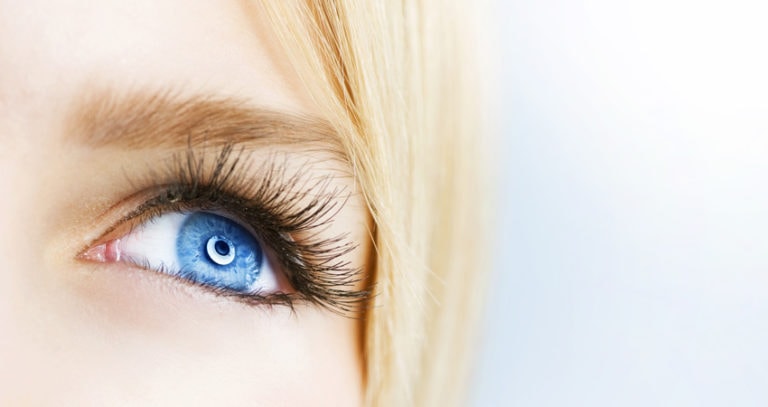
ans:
(175, 169)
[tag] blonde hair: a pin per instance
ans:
(399, 80)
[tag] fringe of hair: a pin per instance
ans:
(402, 81)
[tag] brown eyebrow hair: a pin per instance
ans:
(164, 119)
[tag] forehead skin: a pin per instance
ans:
(77, 334)
(58, 47)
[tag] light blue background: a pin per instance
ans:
(632, 246)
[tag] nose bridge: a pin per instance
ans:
(21, 245)
(17, 183)
(13, 249)
(12, 246)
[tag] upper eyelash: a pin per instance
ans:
(275, 207)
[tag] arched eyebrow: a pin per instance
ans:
(167, 120)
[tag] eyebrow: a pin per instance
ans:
(165, 119)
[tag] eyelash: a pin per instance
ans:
(287, 214)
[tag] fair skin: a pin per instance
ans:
(81, 327)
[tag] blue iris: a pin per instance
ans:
(216, 251)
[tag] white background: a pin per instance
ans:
(632, 245)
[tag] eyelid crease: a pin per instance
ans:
(289, 213)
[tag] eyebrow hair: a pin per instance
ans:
(165, 119)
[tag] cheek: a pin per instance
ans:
(176, 346)
(125, 335)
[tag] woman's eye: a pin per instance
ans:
(203, 247)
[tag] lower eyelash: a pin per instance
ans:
(289, 214)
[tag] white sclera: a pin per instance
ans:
(153, 244)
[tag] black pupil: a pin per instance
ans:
(222, 247)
